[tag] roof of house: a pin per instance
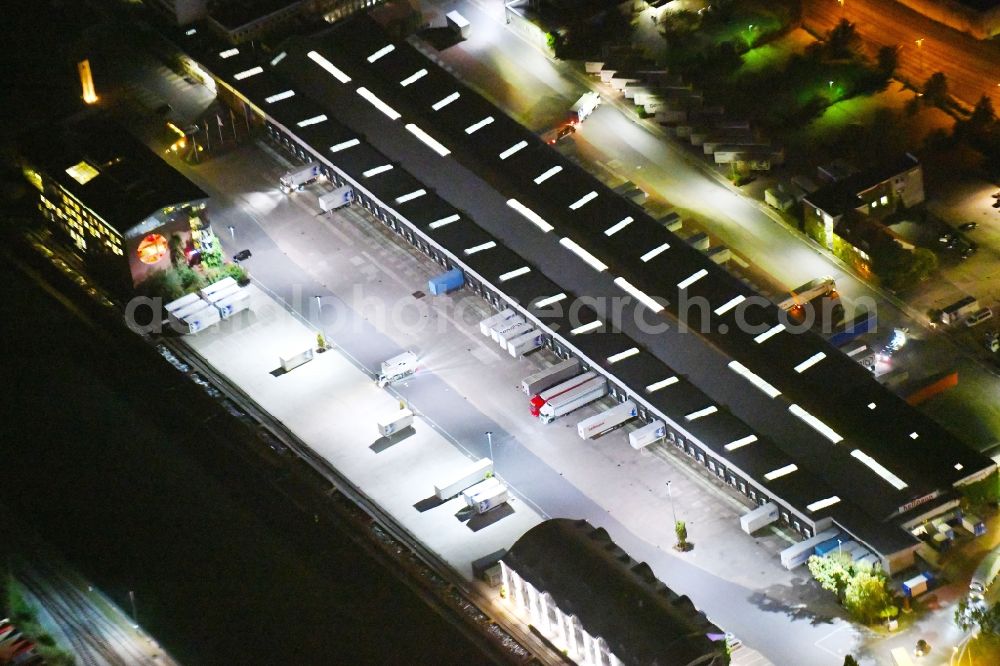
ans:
(108, 170)
(613, 596)
(843, 195)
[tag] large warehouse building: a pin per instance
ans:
(781, 416)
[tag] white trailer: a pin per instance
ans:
(219, 285)
(798, 553)
(565, 403)
(502, 327)
(294, 359)
(199, 319)
(506, 335)
(606, 420)
(390, 424)
(484, 486)
(488, 323)
(190, 308)
(397, 367)
(491, 499)
(340, 197)
(220, 294)
(543, 379)
(233, 303)
(584, 107)
(182, 302)
(523, 344)
(458, 24)
(466, 476)
(759, 518)
(298, 178)
(647, 434)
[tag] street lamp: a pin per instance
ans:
(670, 496)
(838, 546)
(489, 440)
(920, 51)
(232, 232)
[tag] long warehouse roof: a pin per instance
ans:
(784, 407)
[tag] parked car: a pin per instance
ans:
(563, 133)
(968, 226)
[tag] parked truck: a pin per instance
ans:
(583, 107)
(525, 343)
(565, 403)
(298, 178)
(539, 399)
(543, 379)
(182, 302)
(340, 197)
(219, 285)
(973, 524)
(396, 368)
(647, 434)
(599, 424)
(798, 553)
(446, 282)
(390, 424)
(958, 310)
(468, 475)
(915, 586)
(487, 324)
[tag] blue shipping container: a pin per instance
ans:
(446, 282)
(827, 546)
(863, 323)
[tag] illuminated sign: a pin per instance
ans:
(152, 249)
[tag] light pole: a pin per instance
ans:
(670, 496)
(920, 57)
(232, 232)
(135, 616)
(489, 440)
(838, 546)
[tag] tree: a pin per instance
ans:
(850, 661)
(887, 61)
(842, 40)
(936, 89)
(983, 114)
(867, 598)
(176, 244)
(680, 529)
(831, 571)
(320, 341)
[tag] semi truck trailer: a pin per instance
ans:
(505, 336)
(540, 399)
(340, 197)
(486, 495)
(501, 329)
(543, 379)
(298, 178)
(606, 420)
(233, 303)
(647, 434)
(468, 475)
(528, 342)
(565, 403)
(397, 367)
(583, 108)
(446, 282)
(488, 323)
(392, 423)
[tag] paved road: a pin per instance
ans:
(972, 66)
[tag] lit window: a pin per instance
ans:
(885, 201)
(82, 173)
